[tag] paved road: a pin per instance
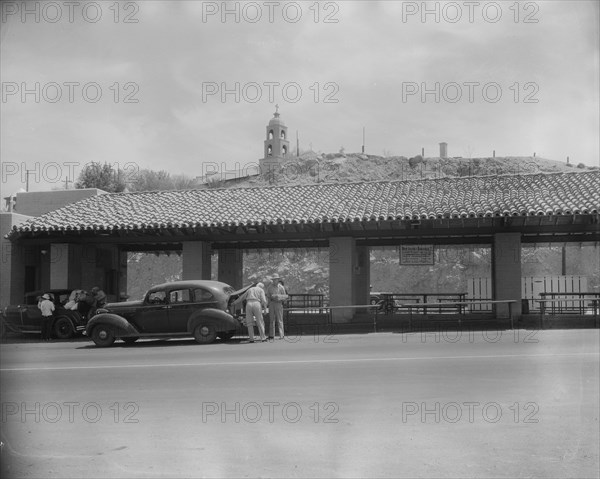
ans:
(373, 405)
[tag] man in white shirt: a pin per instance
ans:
(47, 308)
(256, 301)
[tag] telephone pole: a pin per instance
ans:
(27, 179)
(363, 143)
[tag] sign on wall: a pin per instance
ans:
(416, 254)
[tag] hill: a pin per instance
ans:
(311, 167)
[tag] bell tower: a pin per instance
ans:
(277, 145)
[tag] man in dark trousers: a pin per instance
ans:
(276, 295)
(46, 306)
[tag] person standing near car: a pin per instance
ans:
(99, 297)
(47, 308)
(276, 294)
(256, 301)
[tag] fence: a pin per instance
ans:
(312, 306)
(531, 288)
(390, 301)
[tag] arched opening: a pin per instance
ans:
(284, 150)
(270, 134)
(270, 150)
(283, 134)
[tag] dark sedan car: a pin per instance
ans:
(27, 318)
(197, 308)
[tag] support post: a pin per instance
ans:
(342, 277)
(506, 272)
(231, 267)
(196, 260)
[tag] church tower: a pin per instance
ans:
(277, 145)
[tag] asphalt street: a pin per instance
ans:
(492, 404)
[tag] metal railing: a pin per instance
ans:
(569, 303)
(312, 305)
(390, 302)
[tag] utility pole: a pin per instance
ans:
(363, 143)
(27, 179)
(297, 145)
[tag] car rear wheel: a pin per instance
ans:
(226, 335)
(63, 329)
(103, 336)
(205, 333)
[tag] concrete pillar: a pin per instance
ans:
(15, 258)
(362, 273)
(45, 266)
(506, 272)
(65, 266)
(99, 266)
(196, 260)
(231, 262)
(342, 274)
(14, 262)
(59, 265)
(107, 271)
(88, 267)
(122, 278)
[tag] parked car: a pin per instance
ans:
(197, 308)
(374, 298)
(27, 318)
(385, 301)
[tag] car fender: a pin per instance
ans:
(121, 326)
(220, 319)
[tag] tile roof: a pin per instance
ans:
(485, 196)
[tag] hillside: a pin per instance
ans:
(340, 167)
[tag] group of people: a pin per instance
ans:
(84, 302)
(258, 299)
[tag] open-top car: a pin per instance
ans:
(198, 308)
(27, 317)
(385, 301)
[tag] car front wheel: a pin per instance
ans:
(63, 329)
(205, 333)
(103, 336)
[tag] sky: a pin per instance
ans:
(189, 87)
